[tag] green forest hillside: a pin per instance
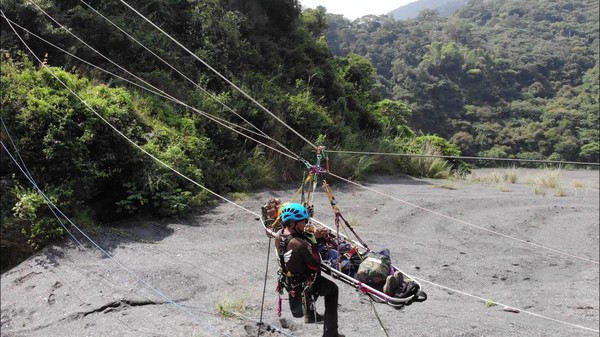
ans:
(156, 107)
(412, 9)
(502, 78)
(227, 96)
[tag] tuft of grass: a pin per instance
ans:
(449, 185)
(232, 306)
(489, 304)
(579, 185)
(510, 175)
(457, 176)
(549, 178)
(495, 177)
(560, 192)
(492, 178)
(429, 166)
(363, 166)
(503, 188)
(439, 169)
(473, 178)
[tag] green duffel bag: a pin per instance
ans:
(374, 269)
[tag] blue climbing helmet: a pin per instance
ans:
(293, 211)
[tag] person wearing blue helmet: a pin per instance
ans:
(300, 263)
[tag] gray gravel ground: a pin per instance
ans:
(467, 241)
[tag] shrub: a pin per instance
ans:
(426, 164)
(232, 306)
(510, 175)
(39, 226)
(429, 164)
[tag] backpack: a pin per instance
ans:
(269, 213)
(374, 269)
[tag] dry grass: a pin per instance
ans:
(491, 178)
(429, 166)
(449, 185)
(232, 306)
(553, 181)
(579, 185)
(239, 196)
(510, 175)
(503, 188)
(560, 192)
(548, 178)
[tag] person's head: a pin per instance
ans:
(294, 214)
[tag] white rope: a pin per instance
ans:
(122, 134)
(468, 223)
(229, 125)
(30, 178)
(506, 306)
(466, 157)
(192, 181)
(414, 205)
(53, 207)
(219, 74)
(136, 276)
(156, 90)
(184, 76)
(400, 200)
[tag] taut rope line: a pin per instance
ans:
(469, 224)
(192, 181)
(467, 157)
(219, 74)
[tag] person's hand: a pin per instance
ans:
(321, 232)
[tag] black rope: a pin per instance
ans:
(302, 199)
(378, 318)
(262, 304)
(352, 230)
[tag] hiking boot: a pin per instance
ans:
(337, 335)
(398, 275)
(314, 317)
(393, 283)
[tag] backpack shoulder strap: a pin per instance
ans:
(283, 243)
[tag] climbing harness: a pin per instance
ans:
(298, 286)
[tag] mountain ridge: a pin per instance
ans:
(412, 10)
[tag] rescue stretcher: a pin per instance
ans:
(375, 292)
(271, 223)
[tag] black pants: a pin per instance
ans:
(329, 290)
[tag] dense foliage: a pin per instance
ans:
(60, 128)
(86, 131)
(412, 9)
(503, 78)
